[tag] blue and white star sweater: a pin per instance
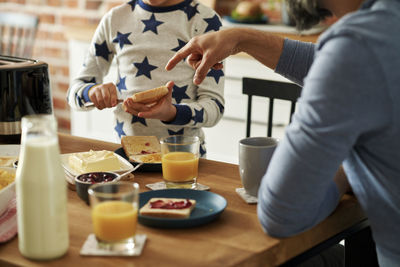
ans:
(142, 39)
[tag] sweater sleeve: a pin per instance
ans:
(295, 60)
(96, 65)
(207, 110)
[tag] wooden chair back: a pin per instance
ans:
(272, 90)
(17, 34)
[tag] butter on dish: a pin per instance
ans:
(94, 161)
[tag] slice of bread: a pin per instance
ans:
(151, 95)
(148, 158)
(136, 146)
(179, 208)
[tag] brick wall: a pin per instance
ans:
(51, 45)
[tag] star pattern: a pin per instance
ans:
(138, 119)
(144, 68)
(180, 45)
(179, 93)
(122, 39)
(219, 104)
(213, 24)
(102, 50)
(132, 4)
(121, 84)
(198, 117)
(119, 129)
(216, 74)
(191, 11)
(151, 24)
(180, 132)
(145, 63)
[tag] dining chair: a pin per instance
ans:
(272, 90)
(17, 34)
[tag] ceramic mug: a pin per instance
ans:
(254, 156)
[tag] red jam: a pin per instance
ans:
(147, 144)
(96, 177)
(160, 204)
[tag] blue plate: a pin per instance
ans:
(208, 207)
(146, 167)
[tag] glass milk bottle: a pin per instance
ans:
(41, 191)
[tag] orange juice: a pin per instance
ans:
(179, 166)
(114, 220)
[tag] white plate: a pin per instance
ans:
(7, 192)
(70, 173)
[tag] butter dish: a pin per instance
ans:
(124, 168)
(94, 161)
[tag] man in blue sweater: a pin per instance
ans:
(348, 115)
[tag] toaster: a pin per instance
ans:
(24, 90)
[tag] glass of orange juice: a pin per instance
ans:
(114, 214)
(180, 160)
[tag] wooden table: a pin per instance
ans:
(234, 239)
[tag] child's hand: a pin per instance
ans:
(161, 110)
(103, 95)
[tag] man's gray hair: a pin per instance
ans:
(306, 13)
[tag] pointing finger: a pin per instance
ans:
(180, 55)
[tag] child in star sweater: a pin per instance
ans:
(141, 36)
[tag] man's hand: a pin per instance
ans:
(103, 95)
(162, 109)
(206, 51)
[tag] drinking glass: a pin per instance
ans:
(114, 214)
(180, 161)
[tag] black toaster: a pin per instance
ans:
(24, 90)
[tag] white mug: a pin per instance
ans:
(254, 156)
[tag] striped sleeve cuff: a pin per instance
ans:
(85, 93)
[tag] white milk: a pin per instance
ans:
(41, 199)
